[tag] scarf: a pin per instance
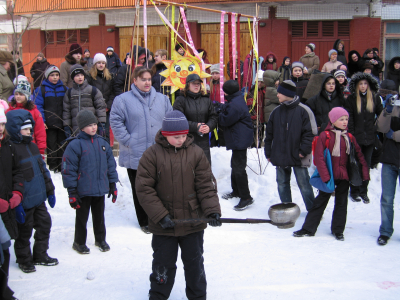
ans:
(329, 95)
(336, 147)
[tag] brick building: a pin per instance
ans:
(285, 27)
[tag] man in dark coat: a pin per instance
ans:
(371, 58)
(339, 47)
(355, 62)
(113, 61)
(290, 131)
(394, 72)
(235, 119)
(38, 69)
(20, 67)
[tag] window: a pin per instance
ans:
(72, 36)
(392, 28)
(84, 36)
(297, 29)
(320, 29)
(50, 37)
(343, 28)
(328, 28)
(312, 29)
(3, 39)
(60, 36)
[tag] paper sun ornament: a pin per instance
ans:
(180, 68)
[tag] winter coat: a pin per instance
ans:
(289, 133)
(11, 180)
(89, 61)
(330, 65)
(20, 67)
(37, 71)
(50, 104)
(39, 131)
(6, 85)
(178, 182)
(65, 69)
(105, 86)
(81, 99)
(37, 181)
(198, 108)
(135, 119)
(113, 63)
(285, 71)
(362, 125)
(352, 66)
(236, 122)
(121, 80)
(321, 105)
(266, 65)
(215, 93)
(271, 99)
(391, 147)
(340, 163)
(301, 85)
(311, 62)
(394, 74)
(158, 79)
(376, 68)
(88, 166)
(341, 55)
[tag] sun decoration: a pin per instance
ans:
(181, 67)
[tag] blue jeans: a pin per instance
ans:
(389, 177)
(303, 181)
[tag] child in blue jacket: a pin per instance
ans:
(49, 101)
(32, 212)
(89, 172)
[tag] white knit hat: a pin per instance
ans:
(214, 68)
(99, 57)
(3, 108)
(260, 74)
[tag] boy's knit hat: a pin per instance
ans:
(214, 68)
(331, 52)
(50, 70)
(297, 64)
(5, 56)
(75, 49)
(336, 113)
(230, 87)
(26, 124)
(23, 87)
(340, 73)
(174, 123)
(260, 74)
(287, 88)
(3, 108)
(75, 70)
(311, 46)
(99, 57)
(85, 118)
(110, 48)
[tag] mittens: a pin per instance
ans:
(166, 222)
(52, 200)
(20, 214)
(15, 200)
(74, 200)
(113, 191)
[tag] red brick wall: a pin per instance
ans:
(365, 33)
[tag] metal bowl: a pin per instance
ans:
(284, 213)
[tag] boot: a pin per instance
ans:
(145, 229)
(338, 236)
(230, 196)
(382, 240)
(104, 247)
(355, 198)
(81, 249)
(27, 267)
(302, 232)
(243, 204)
(46, 261)
(365, 199)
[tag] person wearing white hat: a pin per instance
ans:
(310, 60)
(113, 61)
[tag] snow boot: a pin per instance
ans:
(82, 249)
(302, 232)
(28, 267)
(103, 246)
(338, 236)
(46, 261)
(145, 229)
(365, 199)
(230, 196)
(382, 240)
(355, 197)
(243, 204)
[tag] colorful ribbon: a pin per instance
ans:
(145, 29)
(230, 60)
(234, 44)
(221, 57)
(238, 50)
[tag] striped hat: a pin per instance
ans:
(287, 88)
(26, 124)
(174, 123)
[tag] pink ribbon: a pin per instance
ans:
(221, 57)
(234, 44)
(145, 29)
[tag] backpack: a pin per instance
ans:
(93, 94)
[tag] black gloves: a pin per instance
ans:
(113, 191)
(216, 222)
(74, 199)
(166, 222)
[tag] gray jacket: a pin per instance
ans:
(135, 119)
(81, 99)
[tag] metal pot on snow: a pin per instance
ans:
(284, 213)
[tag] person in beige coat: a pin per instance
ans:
(310, 61)
(6, 86)
(333, 63)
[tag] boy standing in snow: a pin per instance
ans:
(174, 181)
(89, 172)
(32, 213)
(290, 131)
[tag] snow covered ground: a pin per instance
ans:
(242, 261)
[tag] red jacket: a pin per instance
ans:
(215, 95)
(39, 131)
(339, 164)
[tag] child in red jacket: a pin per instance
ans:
(22, 100)
(339, 147)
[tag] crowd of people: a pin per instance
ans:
(296, 111)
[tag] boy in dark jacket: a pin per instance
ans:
(89, 172)
(32, 213)
(290, 131)
(183, 189)
(113, 61)
(49, 101)
(235, 119)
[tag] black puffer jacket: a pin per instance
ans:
(394, 74)
(113, 63)
(105, 86)
(352, 66)
(198, 108)
(11, 179)
(376, 68)
(121, 80)
(341, 55)
(301, 85)
(37, 71)
(321, 105)
(158, 79)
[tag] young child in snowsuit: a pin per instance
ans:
(338, 141)
(82, 96)
(290, 131)
(11, 190)
(38, 187)
(49, 101)
(87, 156)
(174, 181)
(22, 100)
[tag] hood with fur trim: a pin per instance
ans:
(391, 64)
(71, 60)
(372, 82)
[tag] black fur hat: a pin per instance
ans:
(372, 82)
